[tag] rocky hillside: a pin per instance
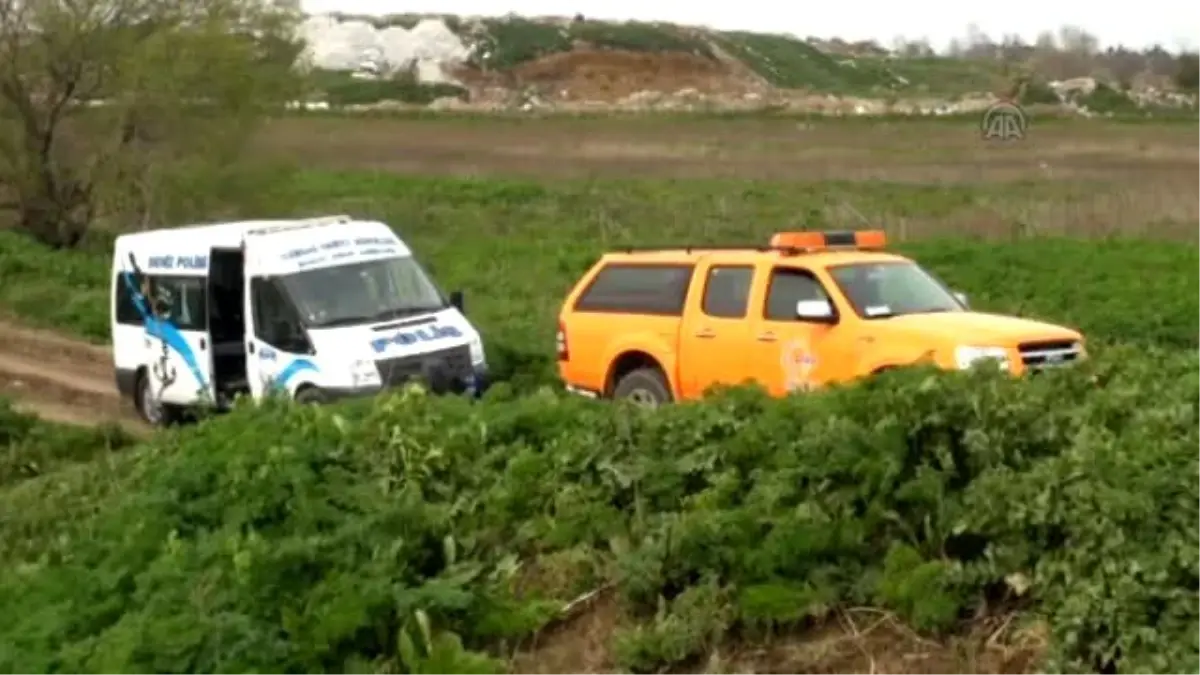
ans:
(580, 64)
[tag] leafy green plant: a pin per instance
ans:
(283, 537)
(919, 589)
(424, 650)
(681, 629)
(30, 447)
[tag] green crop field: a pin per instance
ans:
(917, 522)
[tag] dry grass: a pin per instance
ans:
(852, 641)
(1093, 177)
(909, 151)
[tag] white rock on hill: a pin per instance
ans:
(358, 46)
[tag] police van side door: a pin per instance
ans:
(178, 354)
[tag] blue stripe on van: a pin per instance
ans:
(296, 366)
(166, 331)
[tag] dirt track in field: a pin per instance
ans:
(60, 379)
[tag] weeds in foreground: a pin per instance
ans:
(301, 539)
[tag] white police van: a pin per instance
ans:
(317, 309)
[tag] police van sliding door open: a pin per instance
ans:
(170, 293)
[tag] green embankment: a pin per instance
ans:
(296, 539)
(307, 539)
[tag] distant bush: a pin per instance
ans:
(341, 89)
(1106, 99)
(1037, 92)
(414, 534)
(1187, 72)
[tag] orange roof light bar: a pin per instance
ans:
(817, 241)
(800, 240)
(870, 239)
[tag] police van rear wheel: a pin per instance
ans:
(645, 387)
(152, 410)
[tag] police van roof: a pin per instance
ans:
(228, 234)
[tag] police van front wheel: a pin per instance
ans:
(645, 387)
(310, 396)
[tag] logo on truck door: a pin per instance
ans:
(798, 362)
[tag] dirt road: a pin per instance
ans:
(60, 379)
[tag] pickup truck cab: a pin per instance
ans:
(810, 309)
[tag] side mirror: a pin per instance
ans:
(962, 298)
(456, 301)
(819, 311)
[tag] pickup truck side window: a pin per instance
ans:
(638, 289)
(788, 286)
(727, 291)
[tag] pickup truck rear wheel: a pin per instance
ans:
(645, 386)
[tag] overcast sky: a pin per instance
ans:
(1172, 23)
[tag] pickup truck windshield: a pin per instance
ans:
(377, 290)
(878, 290)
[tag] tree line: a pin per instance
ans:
(1071, 52)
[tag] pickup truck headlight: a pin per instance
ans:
(967, 355)
(363, 373)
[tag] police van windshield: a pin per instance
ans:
(366, 292)
(878, 290)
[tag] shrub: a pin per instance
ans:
(1187, 71)
(313, 539)
(30, 447)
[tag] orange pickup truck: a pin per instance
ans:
(811, 308)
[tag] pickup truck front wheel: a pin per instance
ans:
(645, 386)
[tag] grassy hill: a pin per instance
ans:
(582, 60)
(509, 46)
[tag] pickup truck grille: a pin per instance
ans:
(1048, 354)
(446, 370)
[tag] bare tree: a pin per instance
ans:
(102, 99)
(979, 44)
(912, 49)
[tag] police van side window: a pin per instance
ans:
(637, 289)
(788, 286)
(181, 300)
(127, 313)
(275, 320)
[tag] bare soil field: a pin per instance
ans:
(751, 148)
